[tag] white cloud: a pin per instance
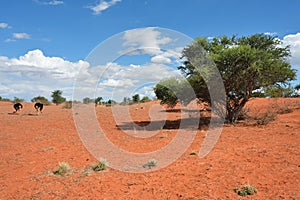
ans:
(102, 5)
(36, 74)
(146, 40)
(10, 40)
(50, 3)
(160, 59)
(21, 36)
(271, 33)
(4, 25)
(293, 40)
(54, 3)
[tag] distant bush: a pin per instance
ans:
(4, 99)
(18, 100)
(145, 99)
(68, 105)
(41, 99)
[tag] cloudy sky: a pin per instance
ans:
(105, 48)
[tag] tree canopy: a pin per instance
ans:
(57, 97)
(245, 64)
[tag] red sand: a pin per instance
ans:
(266, 157)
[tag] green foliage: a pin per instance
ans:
(98, 101)
(275, 91)
(100, 166)
(145, 99)
(40, 99)
(246, 190)
(171, 91)
(88, 100)
(110, 102)
(4, 99)
(245, 64)
(136, 98)
(57, 97)
(18, 100)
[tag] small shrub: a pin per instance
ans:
(150, 163)
(100, 166)
(193, 153)
(265, 118)
(246, 190)
(63, 168)
(244, 114)
(68, 105)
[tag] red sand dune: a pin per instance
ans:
(266, 157)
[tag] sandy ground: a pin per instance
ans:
(264, 156)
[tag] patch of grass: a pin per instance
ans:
(100, 166)
(63, 168)
(151, 163)
(245, 190)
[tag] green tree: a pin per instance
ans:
(57, 97)
(136, 98)
(111, 102)
(18, 100)
(245, 64)
(87, 100)
(4, 99)
(98, 101)
(145, 99)
(275, 91)
(41, 99)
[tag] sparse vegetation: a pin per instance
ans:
(4, 99)
(265, 118)
(136, 98)
(246, 190)
(145, 99)
(57, 97)
(40, 99)
(151, 163)
(18, 100)
(68, 105)
(98, 101)
(100, 166)
(63, 168)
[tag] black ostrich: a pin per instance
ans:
(17, 107)
(38, 107)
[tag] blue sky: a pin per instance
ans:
(37, 35)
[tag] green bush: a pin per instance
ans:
(246, 190)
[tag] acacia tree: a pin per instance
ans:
(57, 97)
(98, 101)
(40, 99)
(245, 64)
(136, 98)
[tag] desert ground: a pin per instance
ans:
(266, 156)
